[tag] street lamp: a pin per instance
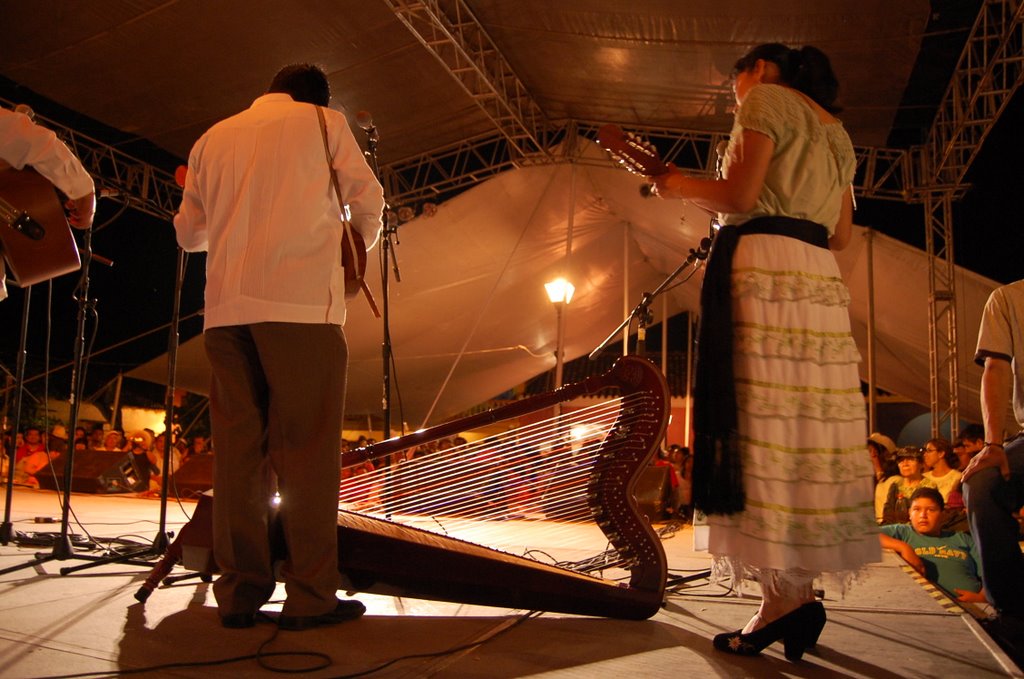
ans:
(560, 293)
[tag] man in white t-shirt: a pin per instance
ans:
(994, 479)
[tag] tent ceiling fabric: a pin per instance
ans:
(166, 71)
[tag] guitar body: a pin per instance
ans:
(35, 237)
(355, 270)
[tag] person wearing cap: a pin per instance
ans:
(947, 558)
(910, 460)
(881, 449)
(993, 482)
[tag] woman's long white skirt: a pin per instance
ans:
(806, 473)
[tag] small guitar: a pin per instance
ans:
(35, 237)
(633, 153)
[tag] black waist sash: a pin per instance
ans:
(717, 467)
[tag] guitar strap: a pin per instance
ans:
(347, 235)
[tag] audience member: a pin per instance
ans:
(81, 438)
(200, 446)
(112, 440)
(897, 501)
(32, 443)
(940, 462)
(140, 444)
(948, 559)
(680, 458)
(972, 440)
(156, 455)
(673, 500)
(881, 451)
(25, 470)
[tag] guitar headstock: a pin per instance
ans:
(632, 152)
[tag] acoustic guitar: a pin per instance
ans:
(35, 237)
(631, 152)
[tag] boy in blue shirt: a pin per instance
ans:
(948, 559)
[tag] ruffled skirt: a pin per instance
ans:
(806, 473)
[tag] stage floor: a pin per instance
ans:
(887, 626)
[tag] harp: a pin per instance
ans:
(419, 527)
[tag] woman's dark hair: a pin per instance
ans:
(929, 493)
(946, 448)
(806, 70)
(303, 82)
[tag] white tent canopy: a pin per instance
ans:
(470, 318)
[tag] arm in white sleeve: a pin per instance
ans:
(190, 221)
(359, 187)
(22, 143)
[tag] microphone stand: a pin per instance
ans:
(642, 311)
(62, 548)
(7, 528)
(388, 240)
(162, 538)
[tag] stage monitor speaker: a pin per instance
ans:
(653, 492)
(194, 477)
(93, 471)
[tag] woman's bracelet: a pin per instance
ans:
(989, 443)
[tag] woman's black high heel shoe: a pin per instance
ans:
(788, 626)
(806, 634)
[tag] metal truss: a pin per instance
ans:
(989, 71)
(449, 31)
(882, 173)
(119, 176)
(442, 172)
(942, 326)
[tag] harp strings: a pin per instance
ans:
(537, 473)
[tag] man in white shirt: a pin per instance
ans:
(994, 478)
(258, 196)
(22, 143)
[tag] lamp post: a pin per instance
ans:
(560, 293)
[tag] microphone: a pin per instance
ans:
(704, 248)
(364, 120)
(25, 110)
(720, 150)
